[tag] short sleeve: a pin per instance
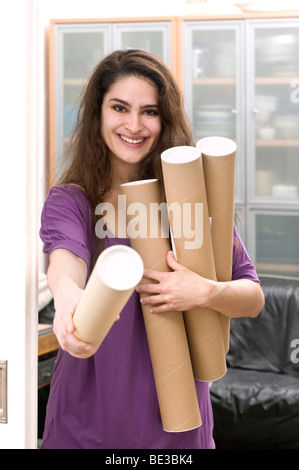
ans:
(66, 222)
(243, 268)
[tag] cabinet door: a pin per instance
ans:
(213, 83)
(273, 112)
(274, 244)
(152, 37)
(79, 48)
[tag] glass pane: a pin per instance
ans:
(153, 37)
(276, 113)
(213, 112)
(82, 51)
(277, 51)
(213, 84)
(78, 50)
(213, 59)
(71, 107)
(277, 244)
(214, 53)
(151, 41)
(277, 173)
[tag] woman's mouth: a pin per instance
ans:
(132, 141)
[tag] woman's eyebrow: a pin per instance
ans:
(119, 101)
(128, 104)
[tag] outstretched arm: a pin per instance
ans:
(66, 279)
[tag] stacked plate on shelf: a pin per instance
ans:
(214, 120)
(287, 126)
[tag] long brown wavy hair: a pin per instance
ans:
(89, 165)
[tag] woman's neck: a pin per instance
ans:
(122, 172)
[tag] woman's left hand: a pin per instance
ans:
(180, 289)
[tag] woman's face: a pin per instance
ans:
(130, 122)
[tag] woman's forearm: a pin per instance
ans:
(65, 269)
(240, 298)
(66, 279)
(183, 290)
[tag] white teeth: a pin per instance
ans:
(132, 141)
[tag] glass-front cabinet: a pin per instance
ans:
(273, 145)
(78, 49)
(242, 81)
(273, 113)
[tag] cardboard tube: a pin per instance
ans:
(165, 332)
(116, 273)
(219, 163)
(185, 189)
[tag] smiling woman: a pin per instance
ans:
(132, 111)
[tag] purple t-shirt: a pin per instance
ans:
(109, 400)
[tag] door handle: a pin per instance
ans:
(3, 392)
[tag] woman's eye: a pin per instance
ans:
(151, 112)
(119, 108)
(148, 112)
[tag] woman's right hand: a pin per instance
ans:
(67, 274)
(66, 300)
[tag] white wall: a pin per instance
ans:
(12, 197)
(129, 8)
(111, 9)
(18, 235)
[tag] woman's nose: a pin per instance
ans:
(134, 122)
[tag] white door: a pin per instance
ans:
(18, 234)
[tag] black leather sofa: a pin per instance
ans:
(256, 404)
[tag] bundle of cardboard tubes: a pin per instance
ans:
(184, 346)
